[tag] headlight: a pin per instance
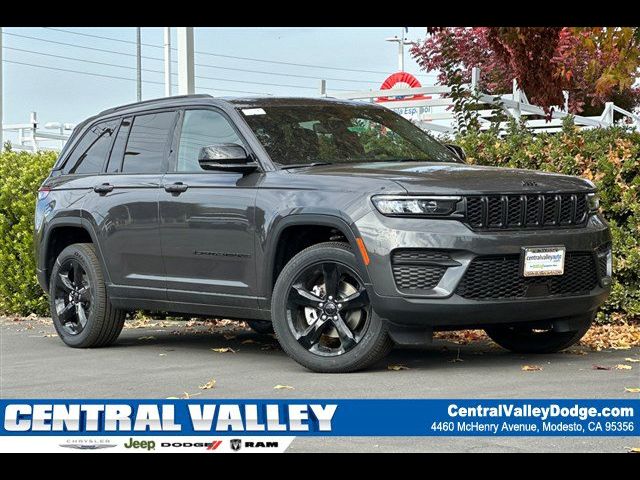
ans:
(418, 206)
(593, 202)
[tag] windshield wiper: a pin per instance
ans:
(302, 165)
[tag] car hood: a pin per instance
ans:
(450, 178)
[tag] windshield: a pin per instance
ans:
(295, 135)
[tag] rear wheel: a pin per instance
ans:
(80, 309)
(523, 339)
(322, 315)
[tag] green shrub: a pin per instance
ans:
(21, 174)
(608, 157)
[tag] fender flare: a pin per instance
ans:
(79, 222)
(328, 220)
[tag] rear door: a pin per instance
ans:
(124, 206)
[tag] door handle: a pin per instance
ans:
(176, 188)
(103, 189)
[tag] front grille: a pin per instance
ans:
(419, 269)
(499, 277)
(417, 277)
(526, 211)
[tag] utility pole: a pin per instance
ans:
(167, 61)
(402, 41)
(186, 70)
(138, 65)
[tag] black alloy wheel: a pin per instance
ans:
(328, 308)
(73, 298)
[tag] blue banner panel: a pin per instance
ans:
(322, 417)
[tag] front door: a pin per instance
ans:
(207, 220)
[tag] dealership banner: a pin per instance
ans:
(322, 417)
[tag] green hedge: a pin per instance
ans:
(608, 157)
(21, 174)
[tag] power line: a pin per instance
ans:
(79, 46)
(103, 75)
(202, 77)
(79, 59)
(229, 56)
(152, 58)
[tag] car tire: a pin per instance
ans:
(350, 339)
(521, 339)
(263, 327)
(80, 308)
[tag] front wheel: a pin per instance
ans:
(523, 339)
(322, 315)
(80, 307)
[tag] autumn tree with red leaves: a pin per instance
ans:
(594, 65)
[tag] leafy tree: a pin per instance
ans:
(595, 65)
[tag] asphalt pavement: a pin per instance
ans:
(160, 359)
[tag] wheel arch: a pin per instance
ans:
(272, 250)
(59, 226)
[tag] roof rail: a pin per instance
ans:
(151, 101)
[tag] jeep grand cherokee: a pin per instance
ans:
(341, 225)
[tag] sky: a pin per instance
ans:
(66, 96)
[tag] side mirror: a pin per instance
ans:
(226, 156)
(458, 150)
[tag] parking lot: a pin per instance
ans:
(160, 359)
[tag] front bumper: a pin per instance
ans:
(440, 306)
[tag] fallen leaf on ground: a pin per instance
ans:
(224, 350)
(531, 368)
(600, 367)
(634, 449)
(228, 336)
(150, 337)
(622, 366)
(209, 385)
(632, 360)
(162, 354)
(632, 389)
(184, 396)
(283, 387)
(397, 368)
(248, 341)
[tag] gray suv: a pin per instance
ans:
(340, 225)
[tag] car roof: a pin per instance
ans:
(234, 102)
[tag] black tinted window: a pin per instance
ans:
(92, 150)
(147, 145)
(202, 128)
(119, 144)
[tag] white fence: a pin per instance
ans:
(33, 137)
(515, 105)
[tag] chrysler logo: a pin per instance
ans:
(87, 446)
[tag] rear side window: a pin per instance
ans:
(91, 151)
(148, 141)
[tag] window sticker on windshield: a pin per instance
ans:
(253, 111)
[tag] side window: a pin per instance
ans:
(202, 128)
(147, 144)
(119, 144)
(92, 149)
